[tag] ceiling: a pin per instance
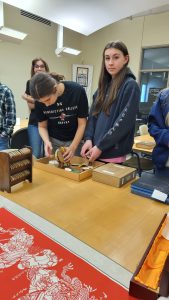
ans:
(88, 16)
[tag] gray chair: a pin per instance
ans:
(139, 163)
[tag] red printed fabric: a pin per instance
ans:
(34, 267)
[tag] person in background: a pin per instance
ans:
(109, 133)
(62, 110)
(158, 127)
(38, 65)
(7, 116)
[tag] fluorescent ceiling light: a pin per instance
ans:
(60, 48)
(68, 50)
(6, 32)
(12, 33)
(71, 51)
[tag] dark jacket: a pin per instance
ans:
(158, 123)
(114, 134)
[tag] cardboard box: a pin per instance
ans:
(140, 290)
(43, 164)
(113, 174)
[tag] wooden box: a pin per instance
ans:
(44, 164)
(142, 291)
(15, 167)
(114, 174)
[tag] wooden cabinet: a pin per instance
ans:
(15, 167)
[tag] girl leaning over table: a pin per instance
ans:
(62, 111)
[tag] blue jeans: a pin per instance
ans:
(35, 141)
(4, 143)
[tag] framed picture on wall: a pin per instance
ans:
(83, 75)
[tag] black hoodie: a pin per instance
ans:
(114, 134)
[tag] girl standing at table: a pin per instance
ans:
(36, 142)
(109, 134)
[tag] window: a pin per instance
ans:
(154, 76)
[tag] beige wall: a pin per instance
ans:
(128, 31)
(136, 33)
(15, 58)
(156, 30)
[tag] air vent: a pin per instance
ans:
(35, 17)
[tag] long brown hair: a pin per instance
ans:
(106, 85)
(34, 61)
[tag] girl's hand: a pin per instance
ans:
(94, 153)
(68, 154)
(85, 149)
(48, 149)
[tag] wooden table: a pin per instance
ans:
(112, 220)
(143, 138)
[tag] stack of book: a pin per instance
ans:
(152, 186)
